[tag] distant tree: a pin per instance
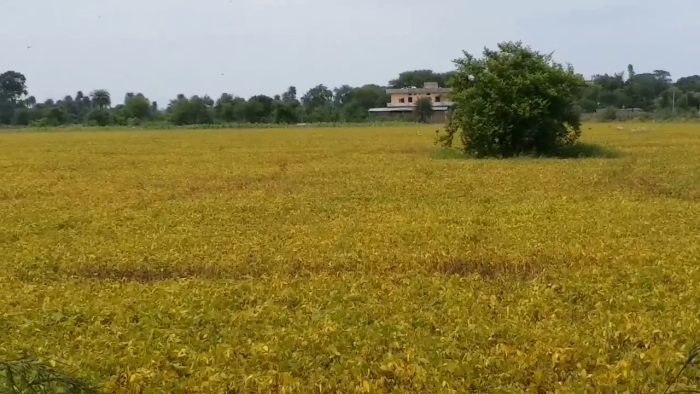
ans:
(253, 111)
(57, 116)
(23, 117)
(284, 112)
(179, 110)
(101, 98)
(290, 94)
(317, 97)
(342, 95)
(208, 101)
(419, 77)
(588, 105)
(30, 102)
(424, 110)
(171, 104)
(137, 107)
(663, 75)
(240, 109)
(609, 82)
(355, 102)
(83, 102)
(13, 86)
(260, 109)
(192, 111)
(323, 114)
(99, 117)
(689, 84)
(199, 110)
(512, 101)
(226, 108)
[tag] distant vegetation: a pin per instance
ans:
(98, 108)
(654, 92)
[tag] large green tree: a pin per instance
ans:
(260, 109)
(285, 112)
(190, 111)
(224, 108)
(514, 100)
(318, 96)
(13, 86)
(137, 107)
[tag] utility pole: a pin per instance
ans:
(674, 101)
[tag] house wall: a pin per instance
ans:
(396, 98)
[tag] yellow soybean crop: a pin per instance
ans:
(350, 260)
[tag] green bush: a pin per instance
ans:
(514, 101)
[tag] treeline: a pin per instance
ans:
(99, 108)
(653, 92)
(650, 92)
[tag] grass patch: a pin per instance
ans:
(579, 150)
(588, 150)
(448, 154)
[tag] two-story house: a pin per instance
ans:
(402, 102)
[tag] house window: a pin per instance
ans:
(410, 99)
(401, 100)
(437, 99)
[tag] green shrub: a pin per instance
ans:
(514, 101)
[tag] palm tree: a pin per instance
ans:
(100, 98)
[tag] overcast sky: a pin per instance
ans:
(165, 47)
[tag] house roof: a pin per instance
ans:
(405, 109)
(419, 90)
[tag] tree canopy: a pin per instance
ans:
(419, 77)
(512, 101)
